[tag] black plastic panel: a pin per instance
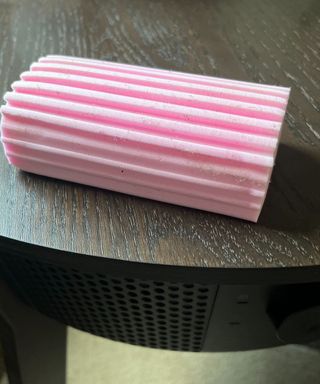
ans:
(159, 314)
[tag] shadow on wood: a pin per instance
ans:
(293, 199)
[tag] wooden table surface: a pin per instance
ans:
(268, 41)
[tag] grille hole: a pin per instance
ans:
(243, 299)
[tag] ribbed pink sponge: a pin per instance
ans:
(198, 141)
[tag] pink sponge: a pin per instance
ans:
(198, 141)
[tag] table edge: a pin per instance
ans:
(147, 271)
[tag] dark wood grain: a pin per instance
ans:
(276, 42)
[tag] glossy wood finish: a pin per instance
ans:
(275, 42)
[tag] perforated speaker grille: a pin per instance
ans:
(159, 314)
